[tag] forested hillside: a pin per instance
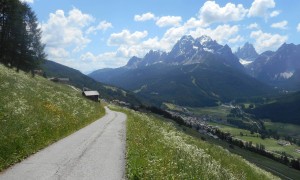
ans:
(284, 109)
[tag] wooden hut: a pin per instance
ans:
(93, 95)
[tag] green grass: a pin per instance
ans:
(276, 168)
(158, 149)
(172, 107)
(270, 144)
(217, 111)
(35, 112)
(284, 128)
(232, 130)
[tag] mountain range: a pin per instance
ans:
(196, 72)
(189, 51)
(280, 68)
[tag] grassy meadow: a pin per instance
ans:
(270, 144)
(232, 130)
(158, 149)
(35, 112)
(284, 128)
(218, 111)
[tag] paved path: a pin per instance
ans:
(94, 152)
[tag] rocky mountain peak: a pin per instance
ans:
(247, 52)
(184, 41)
(133, 62)
(188, 50)
(204, 40)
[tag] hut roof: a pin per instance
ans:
(91, 93)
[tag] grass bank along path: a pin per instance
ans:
(159, 149)
(35, 112)
(94, 152)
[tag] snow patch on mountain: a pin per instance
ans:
(208, 50)
(204, 39)
(287, 74)
(245, 62)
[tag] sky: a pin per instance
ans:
(93, 34)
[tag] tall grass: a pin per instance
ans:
(156, 149)
(35, 112)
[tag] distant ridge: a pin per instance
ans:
(280, 68)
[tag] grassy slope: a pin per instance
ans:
(35, 112)
(157, 149)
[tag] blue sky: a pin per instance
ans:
(95, 34)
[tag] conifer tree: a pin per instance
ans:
(20, 37)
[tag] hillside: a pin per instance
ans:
(35, 112)
(285, 109)
(157, 148)
(79, 80)
(201, 84)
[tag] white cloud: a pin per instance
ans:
(193, 23)
(267, 41)
(171, 36)
(77, 18)
(58, 53)
(151, 43)
(280, 25)
(102, 26)
(222, 33)
(211, 12)
(66, 31)
(274, 13)
(253, 26)
(90, 57)
(145, 17)
(89, 61)
(168, 21)
(126, 38)
(298, 27)
(27, 1)
(260, 8)
(132, 44)
(236, 39)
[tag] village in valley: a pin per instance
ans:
(210, 125)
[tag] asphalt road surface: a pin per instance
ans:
(94, 152)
